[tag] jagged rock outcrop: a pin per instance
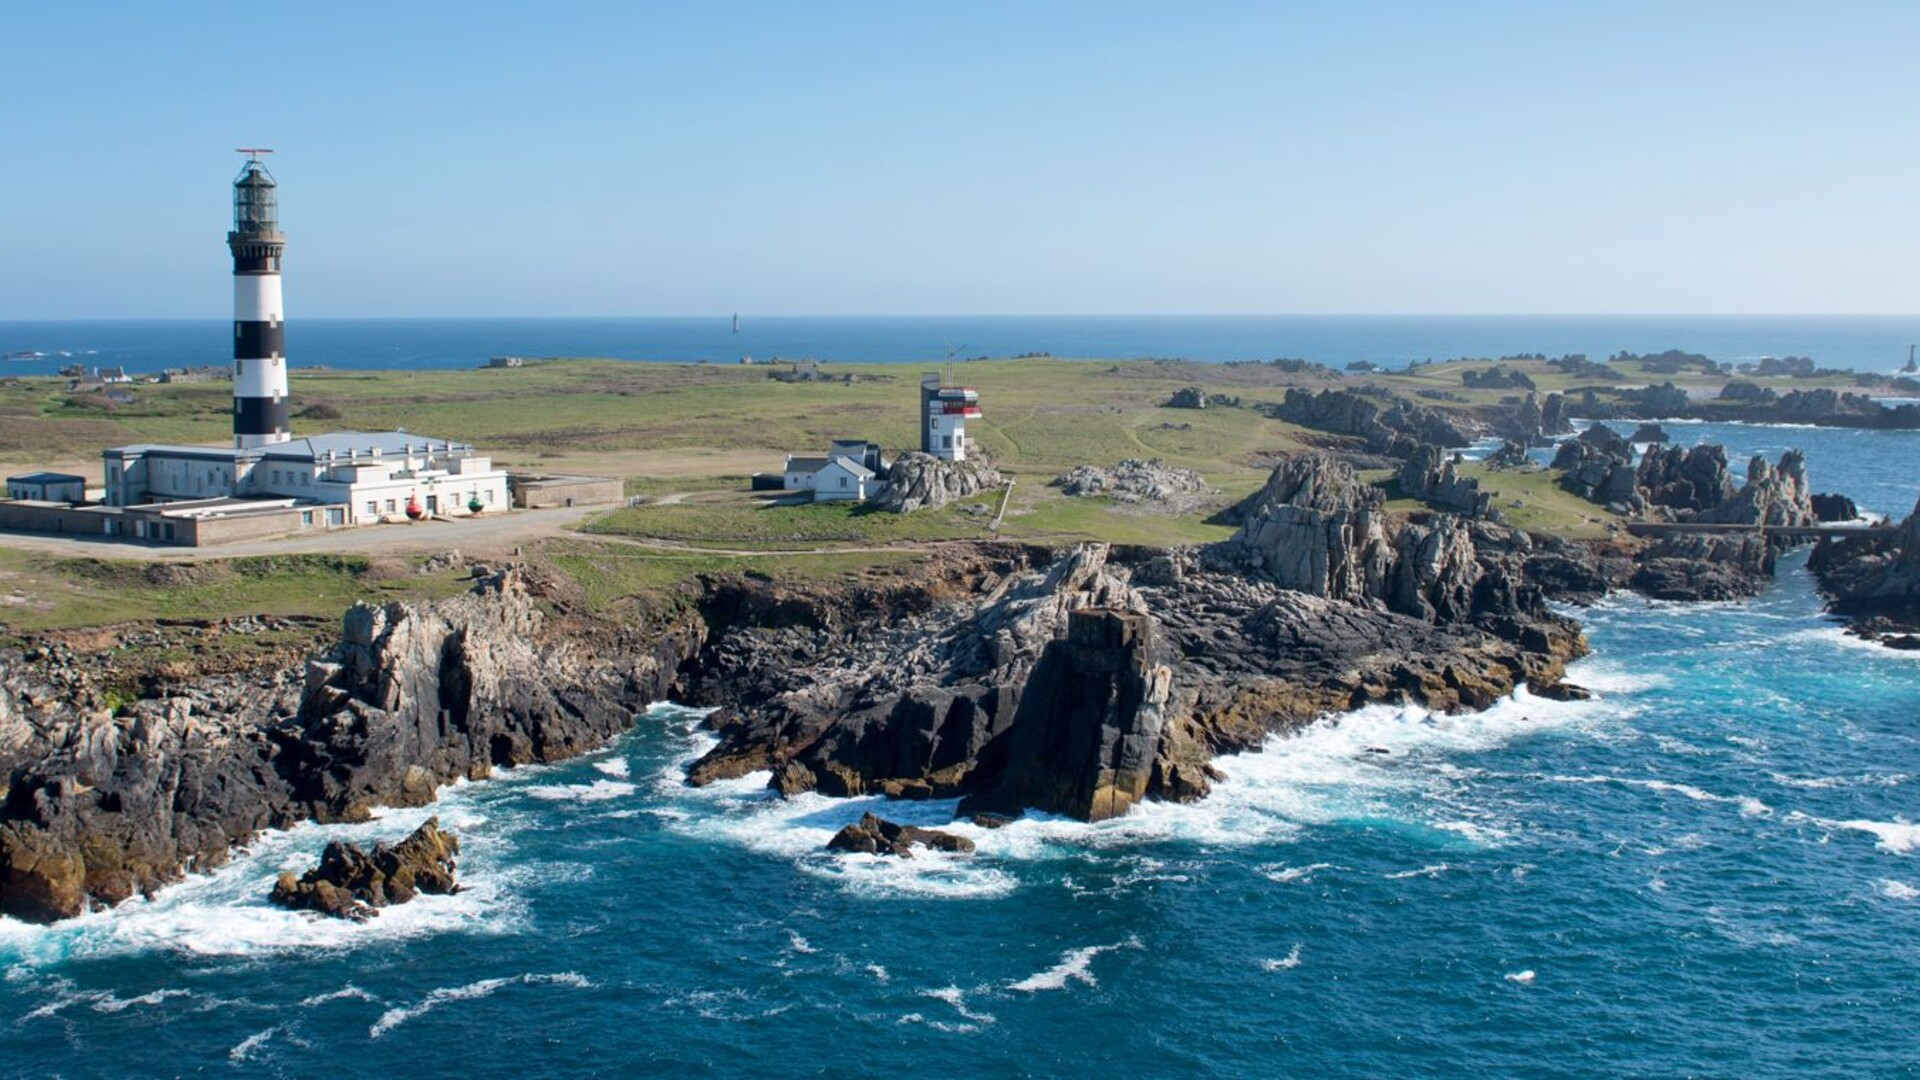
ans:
(1088, 732)
(920, 481)
(353, 884)
(877, 836)
(1833, 508)
(1188, 397)
(1134, 481)
(1692, 479)
(1390, 425)
(1598, 466)
(1081, 683)
(1431, 475)
(1314, 527)
(412, 697)
(1774, 495)
(1702, 566)
(1875, 581)
(1536, 422)
(1511, 455)
(1649, 433)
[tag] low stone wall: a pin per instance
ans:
(533, 492)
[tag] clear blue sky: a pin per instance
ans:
(837, 158)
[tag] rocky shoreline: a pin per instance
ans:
(1012, 677)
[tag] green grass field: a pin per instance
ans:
(688, 435)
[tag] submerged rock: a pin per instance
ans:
(353, 884)
(877, 836)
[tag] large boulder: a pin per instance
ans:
(920, 481)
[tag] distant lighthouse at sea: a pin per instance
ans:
(259, 318)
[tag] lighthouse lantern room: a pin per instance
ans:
(946, 410)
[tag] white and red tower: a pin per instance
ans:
(945, 412)
(259, 320)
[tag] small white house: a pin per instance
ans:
(802, 470)
(843, 479)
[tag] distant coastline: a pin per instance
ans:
(1872, 343)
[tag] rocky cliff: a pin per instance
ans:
(1875, 581)
(1082, 682)
(100, 805)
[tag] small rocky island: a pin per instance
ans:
(352, 884)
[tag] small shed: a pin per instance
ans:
(48, 487)
(843, 478)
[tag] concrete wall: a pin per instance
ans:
(201, 532)
(45, 517)
(545, 492)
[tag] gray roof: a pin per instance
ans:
(47, 478)
(853, 467)
(225, 453)
(344, 443)
(806, 464)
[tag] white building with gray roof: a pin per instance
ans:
(373, 476)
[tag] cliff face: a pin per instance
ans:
(1875, 581)
(1082, 682)
(101, 806)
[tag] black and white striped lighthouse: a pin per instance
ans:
(259, 320)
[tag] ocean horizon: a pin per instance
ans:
(1874, 343)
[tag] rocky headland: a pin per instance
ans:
(103, 803)
(1080, 682)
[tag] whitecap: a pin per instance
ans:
(394, 1017)
(1075, 966)
(245, 1049)
(1898, 890)
(1286, 963)
(957, 999)
(1897, 837)
(799, 944)
(1430, 871)
(618, 768)
(598, 791)
(1284, 874)
(1522, 977)
(348, 992)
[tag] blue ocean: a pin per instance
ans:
(1864, 343)
(1712, 868)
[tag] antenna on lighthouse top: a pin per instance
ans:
(253, 152)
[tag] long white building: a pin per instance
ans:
(369, 477)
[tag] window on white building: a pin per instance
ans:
(373, 508)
